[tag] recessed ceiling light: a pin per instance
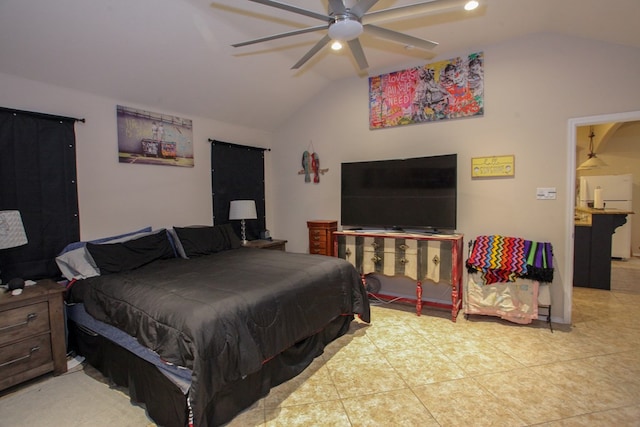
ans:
(471, 5)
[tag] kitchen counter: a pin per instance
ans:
(583, 216)
(592, 245)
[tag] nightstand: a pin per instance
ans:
(32, 338)
(278, 245)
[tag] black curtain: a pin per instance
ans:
(237, 173)
(38, 178)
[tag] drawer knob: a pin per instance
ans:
(376, 259)
(404, 261)
(403, 247)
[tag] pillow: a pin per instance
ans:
(175, 242)
(230, 236)
(75, 262)
(131, 254)
(76, 245)
(204, 240)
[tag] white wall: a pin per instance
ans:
(116, 197)
(533, 86)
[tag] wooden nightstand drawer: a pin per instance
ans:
(33, 353)
(24, 322)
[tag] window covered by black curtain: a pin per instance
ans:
(38, 176)
(237, 173)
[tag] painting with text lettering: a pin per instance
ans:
(443, 90)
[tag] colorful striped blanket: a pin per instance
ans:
(504, 259)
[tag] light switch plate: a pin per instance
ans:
(546, 193)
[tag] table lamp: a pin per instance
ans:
(12, 234)
(243, 210)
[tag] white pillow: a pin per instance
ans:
(77, 264)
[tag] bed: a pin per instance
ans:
(197, 327)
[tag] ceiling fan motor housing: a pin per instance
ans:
(345, 27)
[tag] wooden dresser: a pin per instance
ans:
(32, 338)
(321, 236)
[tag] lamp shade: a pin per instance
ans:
(12, 233)
(242, 209)
(593, 162)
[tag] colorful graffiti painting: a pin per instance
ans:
(442, 90)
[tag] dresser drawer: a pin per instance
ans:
(23, 322)
(318, 235)
(26, 355)
(318, 247)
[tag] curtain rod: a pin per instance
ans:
(213, 141)
(42, 115)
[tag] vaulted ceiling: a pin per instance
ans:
(176, 55)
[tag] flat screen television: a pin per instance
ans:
(400, 194)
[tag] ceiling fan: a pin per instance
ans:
(346, 23)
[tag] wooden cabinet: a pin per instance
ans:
(320, 236)
(32, 337)
(278, 245)
(421, 257)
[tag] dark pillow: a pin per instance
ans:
(132, 254)
(231, 238)
(204, 240)
(196, 241)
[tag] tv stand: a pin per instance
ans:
(421, 257)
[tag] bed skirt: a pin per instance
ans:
(165, 403)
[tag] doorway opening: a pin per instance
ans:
(572, 129)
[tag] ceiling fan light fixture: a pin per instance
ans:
(470, 5)
(336, 45)
(345, 28)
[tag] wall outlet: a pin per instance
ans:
(546, 193)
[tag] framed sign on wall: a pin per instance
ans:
(493, 166)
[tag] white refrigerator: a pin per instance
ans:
(616, 191)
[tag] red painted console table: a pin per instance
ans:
(423, 257)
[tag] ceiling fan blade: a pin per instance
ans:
(293, 9)
(281, 35)
(411, 10)
(336, 7)
(362, 7)
(399, 37)
(358, 54)
(315, 49)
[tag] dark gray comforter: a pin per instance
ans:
(223, 315)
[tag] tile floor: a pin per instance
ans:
(406, 370)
